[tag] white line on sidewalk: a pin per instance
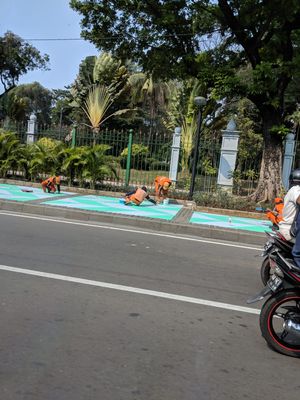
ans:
(130, 230)
(131, 289)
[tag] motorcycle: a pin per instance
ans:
(275, 242)
(280, 314)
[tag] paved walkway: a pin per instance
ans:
(104, 205)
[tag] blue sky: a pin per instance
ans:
(43, 19)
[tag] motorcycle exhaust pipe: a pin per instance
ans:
(292, 327)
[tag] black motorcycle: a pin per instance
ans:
(276, 242)
(280, 314)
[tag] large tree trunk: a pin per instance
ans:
(95, 134)
(270, 184)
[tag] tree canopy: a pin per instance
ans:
(255, 38)
(238, 48)
(17, 57)
(29, 98)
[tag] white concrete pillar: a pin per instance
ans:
(31, 129)
(288, 159)
(175, 155)
(229, 149)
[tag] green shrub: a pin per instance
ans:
(159, 166)
(139, 154)
(9, 145)
(223, 199)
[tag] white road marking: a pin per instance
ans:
(131, 231)
(131, 289)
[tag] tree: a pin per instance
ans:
(25, 99)
(152, 95)
(103, 70)
(98, 85)
(9, 145)
(182, 113)
(72, 165)
(17, 57)
(240, 48)
(46, 157)
(96, 165)
(61, 111)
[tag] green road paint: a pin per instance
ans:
(226, 221)
(15, 193)
(112, 205)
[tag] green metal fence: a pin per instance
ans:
(139, 157)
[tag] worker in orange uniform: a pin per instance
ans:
(162, 186)
(275, 215)
(137, 196)
(52, 184)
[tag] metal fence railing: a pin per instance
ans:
(139, 157)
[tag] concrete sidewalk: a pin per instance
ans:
(93, 206)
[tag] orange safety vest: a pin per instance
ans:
(139, 196)
(159, 183)
(279, 209)
(49, 180)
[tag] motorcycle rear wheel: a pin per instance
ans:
(279, 308)
(265, 271)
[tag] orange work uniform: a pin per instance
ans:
(137, 197)
(275, 216)
(162, 185)
(49, 184)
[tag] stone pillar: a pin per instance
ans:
(229, 149)
(31, 129)
(175, 155)
(288, 159)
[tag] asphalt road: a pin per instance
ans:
(66, 336)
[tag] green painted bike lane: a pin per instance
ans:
(113, 205)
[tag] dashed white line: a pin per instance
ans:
(131, 289)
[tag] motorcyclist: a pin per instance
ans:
(296, 247)
(291, 202)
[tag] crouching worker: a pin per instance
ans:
(138, 196)
(52, 184)
(275, 215)
(162, 186)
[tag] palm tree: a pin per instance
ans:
(100, 81)
(182, 113)
(152, 95)
(9, 145)
(72, 164)
(24, 157)
(46, 157)
(96, 106)
(97, 165)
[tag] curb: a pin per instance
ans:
(186, 203)
(203, 231)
